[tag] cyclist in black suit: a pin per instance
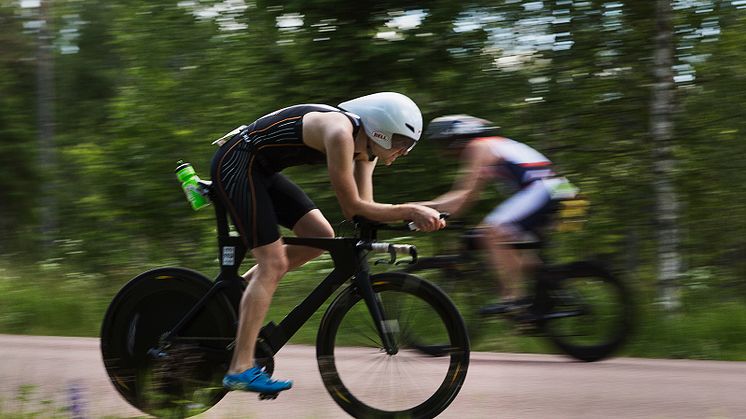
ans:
(246, 173)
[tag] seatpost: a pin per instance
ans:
(231, 250)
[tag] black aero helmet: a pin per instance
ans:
(454, 129)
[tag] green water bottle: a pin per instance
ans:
(188, 178)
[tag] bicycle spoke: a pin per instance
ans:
(409, 378)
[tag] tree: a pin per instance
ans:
(45, 121)
(17, 131)
(661, 126)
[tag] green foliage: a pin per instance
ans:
(142, 84)
(701, 331)
(46, 300)
(16, 127)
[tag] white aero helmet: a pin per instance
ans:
(385, 114)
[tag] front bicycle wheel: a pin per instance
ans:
(426, 373)
(584, 310)
(182, 377)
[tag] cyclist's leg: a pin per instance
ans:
(243, 188)
(243, 374)
(505, 260)
(296, 211)
(271, 266)
(313, 224)
(515, 220)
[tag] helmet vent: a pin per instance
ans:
(410, 127)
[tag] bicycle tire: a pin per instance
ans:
(468, 290)
(447, 349)
(572, 299)
(185, 378)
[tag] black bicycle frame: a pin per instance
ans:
(350, 261)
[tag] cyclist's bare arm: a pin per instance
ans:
(353, 186)
(318, 126)
(468, 184)
(364, 178)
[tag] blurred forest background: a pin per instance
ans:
(639, 103)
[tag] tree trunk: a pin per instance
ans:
(661, 125)
(45, 121)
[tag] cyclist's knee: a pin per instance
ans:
(313, 224)
(326, 231)
(272, 261)
(274, 268)
(497, 233)
(508, 232)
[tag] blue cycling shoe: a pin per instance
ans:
(256, 380)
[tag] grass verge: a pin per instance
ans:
(50, 300)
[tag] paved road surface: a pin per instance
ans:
(54, 370)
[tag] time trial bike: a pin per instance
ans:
(168, 335)
(581, 307)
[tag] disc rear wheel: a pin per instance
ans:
(181, 377)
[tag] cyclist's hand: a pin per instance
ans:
(427, 219)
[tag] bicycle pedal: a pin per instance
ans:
(268, 396)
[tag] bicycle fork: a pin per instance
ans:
(386, 328)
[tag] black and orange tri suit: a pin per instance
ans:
(246, 173)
